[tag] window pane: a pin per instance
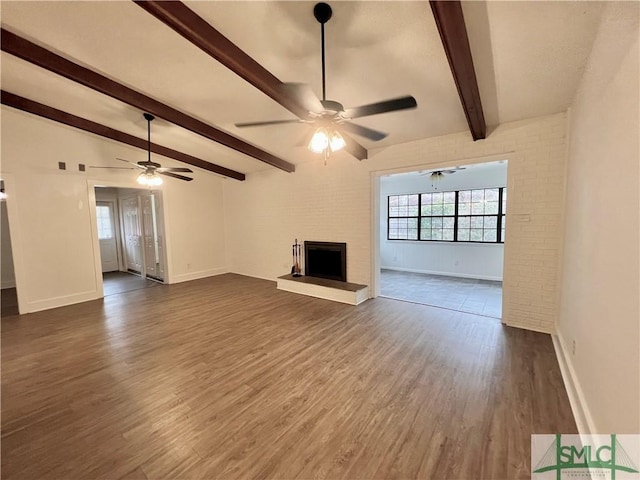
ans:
(426, 199)
(464, 196)
(449, 209)
(463, 234)
(425, 234)
(477, 195)
(402, 200)
(412, 211)
(447, 234)
(436, 234)
(449, 197)
(448, 222)
(491, 194)
(436, 210)
(393, 201)
(464, 208)
(103, 215)
(476, 222)
(464, 222)
(491, 208)
(412, 223)
(504, 200)
(413, 200)
(477, 208)
(426, 210)
(476, 235)
(436, 222)
(490, 222)
(503, 237)
(413, 234)
(393, 234)
(394, 211)
(490, 235)
(436, 198)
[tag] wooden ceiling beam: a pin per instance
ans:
(45, 111)
(198, 31)
(29, 51)
(453, 33)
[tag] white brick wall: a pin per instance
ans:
(333, 203)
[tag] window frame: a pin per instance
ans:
(500, 217)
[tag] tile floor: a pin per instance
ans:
(482, 297)
(119, 282)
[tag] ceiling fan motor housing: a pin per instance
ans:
(322, 11)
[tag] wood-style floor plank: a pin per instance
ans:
(227, 377)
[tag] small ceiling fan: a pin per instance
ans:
(149, 176)
(330, 116)
(440, 174)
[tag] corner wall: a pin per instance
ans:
(49, 213)
(334, 203)
(599, 305)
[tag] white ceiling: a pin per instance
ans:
(529, 58)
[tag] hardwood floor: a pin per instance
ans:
(227, 377)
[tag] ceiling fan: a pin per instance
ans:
(149, 176)
(330, 116)
(440, 174)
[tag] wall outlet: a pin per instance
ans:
(573, 347)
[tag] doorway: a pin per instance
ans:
(441, 236)
(131, 238)
(9, 292)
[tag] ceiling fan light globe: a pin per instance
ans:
(149, 179)
(337, 142)
(320, 140)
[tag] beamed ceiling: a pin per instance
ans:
(528, 58)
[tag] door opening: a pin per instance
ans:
(9, 297)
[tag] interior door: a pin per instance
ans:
(132, 233)
(107, 236)
(152, 244)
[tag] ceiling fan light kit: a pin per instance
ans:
(329, 117)
(150, 177)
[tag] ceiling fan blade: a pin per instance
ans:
(354, 148)
(385, 106)
(175, 175)
(117, 168)
(269, 122)
(448, 171)
(366, 132)
(127, 161)
(303, 95)
(177, 169)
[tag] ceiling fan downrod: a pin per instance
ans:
(322, 11)
(149, 118)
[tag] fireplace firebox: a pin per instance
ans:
(326, 260)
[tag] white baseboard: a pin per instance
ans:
(61, 301)
(185, 277)
(446, 274)
(583, 418)
(8, 284)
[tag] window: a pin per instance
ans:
(105, 232)
(462, 216)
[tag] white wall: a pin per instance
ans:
(334, 203)
(471, 260)
(599, 304)
(8, 278)
(49, 211)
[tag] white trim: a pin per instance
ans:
(62, 301)
(185, 277)
(444, 274)
(581, 414)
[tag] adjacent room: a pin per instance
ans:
(357, 240)
(442, 237)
